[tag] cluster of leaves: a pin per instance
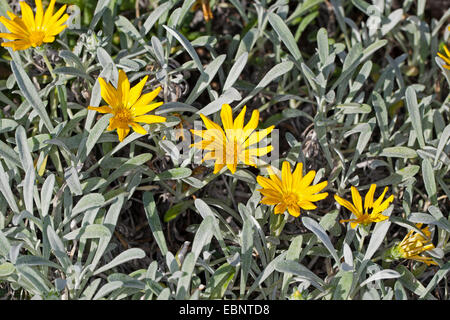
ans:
(365, 105)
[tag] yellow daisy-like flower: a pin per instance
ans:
(363, 215)
(231, 146)
(33, 30)
(206, 8)
(293, 191)
(128, 106)
(416, 243)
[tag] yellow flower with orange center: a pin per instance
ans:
(33, 30)
(293, 191)
(128, 105)
(416, 243)
(232, 144)
(371, 212)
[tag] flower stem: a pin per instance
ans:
(43, 53)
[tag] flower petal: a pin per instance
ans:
(122, 133)
(286, 176)
(146, 109)
(357, 200)
(347, 205)
(226, 115)
(150, 119)
(102, 109)
(138, 128)
(136, 92)
(368, 200)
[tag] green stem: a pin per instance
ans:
(43, 53)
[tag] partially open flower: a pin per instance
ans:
(416, 243)
(372, 211)
(293, 191)
(128, 105)
(33, 30)
(445, 57)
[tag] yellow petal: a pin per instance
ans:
(145, 99)
(380, 198)
(227, 118)
(136, 92)
(239, 121)
(54, 19)
(49, 12)
(286, 176)
(347, 205)
(232, 167)
(108, 93)
(10, 36)
(357, 200)
(269, 183)
(294, 210)
(102, 109)
(146, 109)
(27, 16)
(368, 200)
(218, 167)
(138, 128)
(211, 125)
(317, 197)
(252, 123)
(149, 119)
(383, 206)
(307, 205)
(123, 87)
(14, 27)
(39, 14)
(270, 201)
(298, 174)
(271, 193)
(257, 136)
(307, 179)
(447, 52)
(280, 208)
(316, 188)
(122, 133)
(259, 151)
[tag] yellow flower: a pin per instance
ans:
(128, 106)
(33, 30)
(230, 147)
(206, 8)
(363, 216)
(445, 58)
(415, 243)
(293, 191)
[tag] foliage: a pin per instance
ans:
(359, 97)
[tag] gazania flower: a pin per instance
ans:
(372, 211)
(33, 30)
(231, 146)
(293, 191)
(416, 243)
(206, 8)
(128, 106)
